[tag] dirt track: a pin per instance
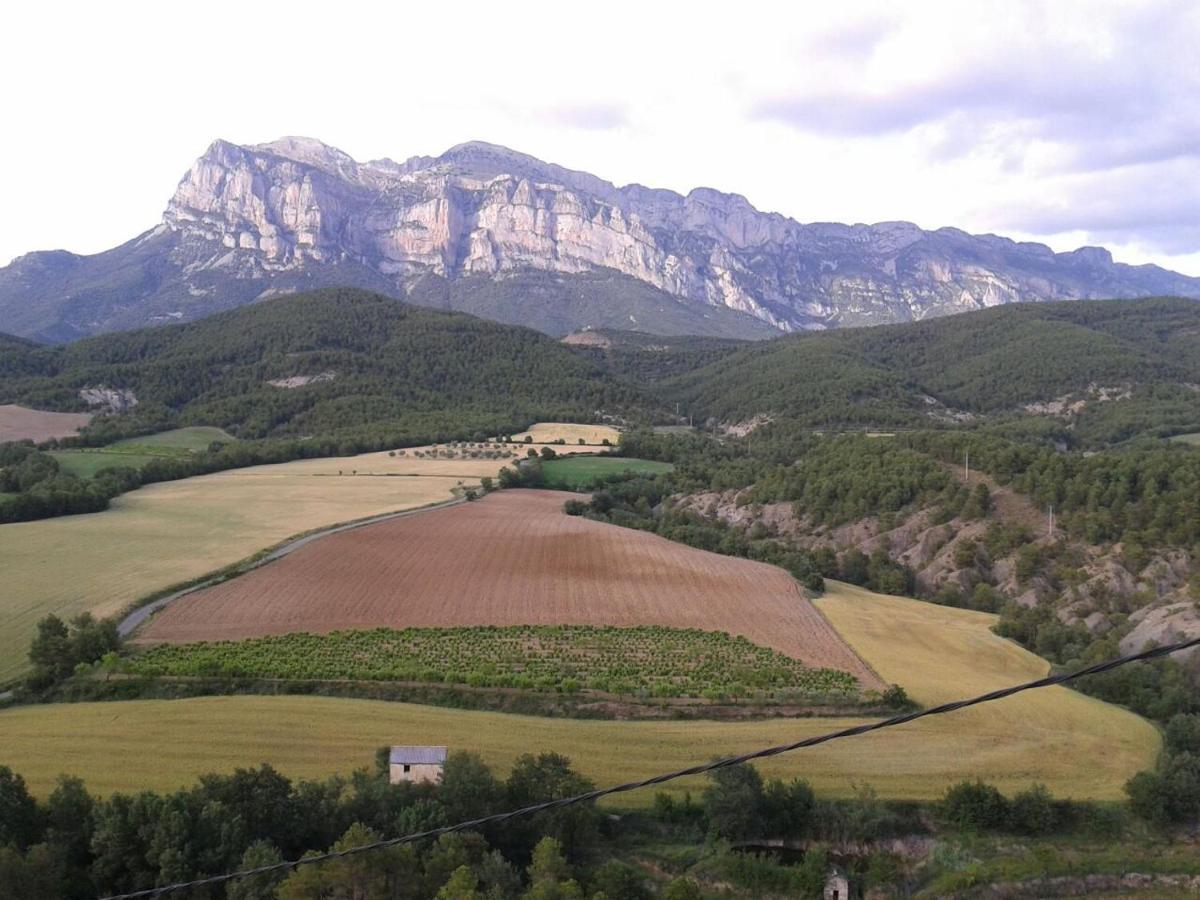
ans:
(512, 558)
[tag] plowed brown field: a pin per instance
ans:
(18, 423)
(513, 558)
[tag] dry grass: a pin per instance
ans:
(19, 424)
(1078, 747)
(167, 533)
(940, 654)
(512, 558)
(552, 431)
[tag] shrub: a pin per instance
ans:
(964, 553)
(680, 888)
(734, 802)
(975, 806)
(1183, 734)
(895, 697)
(1033, 812)
(617, 880)
(1169, 796)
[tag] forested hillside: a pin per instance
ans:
(1115, 368)
(334, 363)
(557, 303)
(350, 363)
(17, 355)
(647, 358)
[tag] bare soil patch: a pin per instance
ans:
(513, 558)
(17, 423)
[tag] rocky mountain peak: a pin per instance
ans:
(250, 221)
(312, 152)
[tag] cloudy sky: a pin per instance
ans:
(1071, 123)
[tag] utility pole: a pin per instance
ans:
(1050, 530)
(968, 466)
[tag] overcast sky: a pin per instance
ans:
(1071, 123)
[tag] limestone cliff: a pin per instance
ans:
(251, 221)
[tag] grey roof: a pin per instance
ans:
(417, 756)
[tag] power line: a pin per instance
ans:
(713, 766)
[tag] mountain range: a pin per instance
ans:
(487, 230)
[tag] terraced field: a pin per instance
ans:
(1076, 746)
(512, 558)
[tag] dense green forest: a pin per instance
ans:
(394, 359)
(392, 369)
(957, 369)
(1147, 495)
(648, 358)
(385, 366)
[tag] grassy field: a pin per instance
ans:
(646, 661)
(1193, 439)
(1077, 746)
(172, 532)
(194, 437)
(136, 452)
(548, 432)
(86, 463)
(581, 471)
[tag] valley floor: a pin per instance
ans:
(1078, 747)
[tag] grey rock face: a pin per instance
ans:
(249, 222)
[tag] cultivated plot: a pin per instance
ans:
(18, 423)
(581, 471)
(512, 558)
(1075, 745)
(548, 432)
(168, 533)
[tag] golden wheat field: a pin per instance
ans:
(1077, 746)
(547, 432)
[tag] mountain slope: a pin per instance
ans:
(1112, 369)
(330, 363)
(248, 222)
(558, 304)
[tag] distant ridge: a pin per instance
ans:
(486, 229)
